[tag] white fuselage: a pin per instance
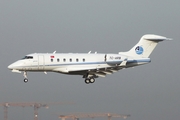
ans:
(66, 63)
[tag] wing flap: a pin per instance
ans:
(74, 69)
(107, 72)
(99, 74)
(90, 70)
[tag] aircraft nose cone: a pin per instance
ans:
(16, 65)
(10, 67)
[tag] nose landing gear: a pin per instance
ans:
(25, 77)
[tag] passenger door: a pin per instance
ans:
(41, 62)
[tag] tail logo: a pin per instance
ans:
(139, 50)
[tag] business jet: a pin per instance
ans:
(88, 65)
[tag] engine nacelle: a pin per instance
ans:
(114, 59)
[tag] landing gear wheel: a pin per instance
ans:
(92, 80)
(25, 80)
(87, 81)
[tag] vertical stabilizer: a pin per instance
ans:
(145, 46)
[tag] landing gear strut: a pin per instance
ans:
(25, 77)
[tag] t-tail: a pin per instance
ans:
(145, 46)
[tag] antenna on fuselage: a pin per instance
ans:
(89, 52)
(54, 52)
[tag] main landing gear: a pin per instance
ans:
(89, 80)
(25, 77)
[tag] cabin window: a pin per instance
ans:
(58, 60)
(83, 60)
(51, 60)
(77, 60)
(70, 60)
(64, 60)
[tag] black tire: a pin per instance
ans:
(25, 80)
(87, 81)
(91, 80)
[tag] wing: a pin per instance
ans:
(90, 71)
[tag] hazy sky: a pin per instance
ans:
(149, 92)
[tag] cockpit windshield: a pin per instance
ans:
(28, 57)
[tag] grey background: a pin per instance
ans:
(147, 92)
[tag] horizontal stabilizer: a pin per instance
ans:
(156, 38)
